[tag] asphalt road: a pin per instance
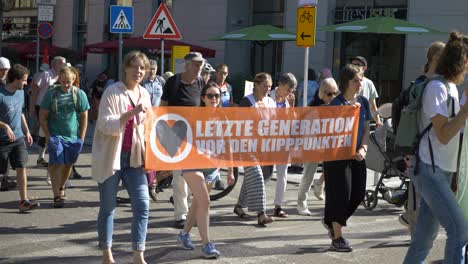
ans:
(69, 235)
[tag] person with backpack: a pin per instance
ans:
(183, 89)
(409, 217)
(227, 100)
(154, 85)
(14, 132)
(439, 121)
(41, 83)
(344, 192)
(64, 119)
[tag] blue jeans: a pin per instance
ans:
(134, 179)
(438, 206)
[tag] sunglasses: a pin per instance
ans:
(211, 96)
(331, 94)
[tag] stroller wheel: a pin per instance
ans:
(370, 200)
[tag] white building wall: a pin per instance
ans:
(97, 20)
(450, 16)
(63, 24)
(200, 20)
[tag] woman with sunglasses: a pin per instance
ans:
(326, 92)
(284, 98)
(252, 193)
(200, 182)
(343, 194)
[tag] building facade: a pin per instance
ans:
(394, 60)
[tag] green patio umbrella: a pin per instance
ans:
(381, 25)
(261, 35)
(258, 33)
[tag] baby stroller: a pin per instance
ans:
(382, 158)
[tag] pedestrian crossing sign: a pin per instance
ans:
(162, 26)
(121, 19)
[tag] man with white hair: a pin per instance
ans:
(40, 85)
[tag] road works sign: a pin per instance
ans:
(305, 34)
(121, 19)
(162, 26)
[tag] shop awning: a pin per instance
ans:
(151, 45)
(27, 50)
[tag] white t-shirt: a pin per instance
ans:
(368, 89)
(435, 102)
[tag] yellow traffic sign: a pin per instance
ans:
(305, 34)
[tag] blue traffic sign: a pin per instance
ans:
(121, 19)
(45, 30)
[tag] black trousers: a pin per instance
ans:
(343, 191)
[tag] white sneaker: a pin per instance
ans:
(303, 211)
(68, 184)
(47, 180)
(318, 190)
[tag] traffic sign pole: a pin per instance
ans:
(306, 77)
(305, 36)
(162, 57)
(37, 52)
(120, 55)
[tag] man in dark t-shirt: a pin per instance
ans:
(183, 89)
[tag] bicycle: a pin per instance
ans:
(165, 178)
(306, 15)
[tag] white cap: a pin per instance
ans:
(4, 63)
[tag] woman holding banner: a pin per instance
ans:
(200, 183)
(432, 175)
(328, 90)
(118, 151)
(343, 194)
(287, 84)
(252, 193)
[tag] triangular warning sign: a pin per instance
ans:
(162, 26)
(121, 22)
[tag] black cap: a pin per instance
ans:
(361, 59)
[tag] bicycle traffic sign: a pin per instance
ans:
(45, 30)
(162, 26)
(305, 34)
(121, 19)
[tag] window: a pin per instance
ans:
(24, 4)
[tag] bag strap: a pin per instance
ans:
(451, 101)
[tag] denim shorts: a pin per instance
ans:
(63, 152)
(15, 152)
(210, 174)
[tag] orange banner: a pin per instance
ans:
(204, 137)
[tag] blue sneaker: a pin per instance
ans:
(185, 240)
(210, 252)
(341, 245)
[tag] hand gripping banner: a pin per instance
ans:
(202, 137)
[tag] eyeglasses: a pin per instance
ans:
(331, 94)
(211, 96)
